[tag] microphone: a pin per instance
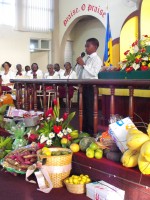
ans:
(82, 55)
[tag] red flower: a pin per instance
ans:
(137, 60)
(126, 52)
(65, 116)
(33, 137)
(145, 35)
(135, 43)
(129, 69)
(142, 50)
(57, 129)
(144, 68)
(49, 112)
(40, 146)
(55, 102)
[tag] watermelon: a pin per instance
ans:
(85, 143)
(83, 135)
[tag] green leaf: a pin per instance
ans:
(68, 120)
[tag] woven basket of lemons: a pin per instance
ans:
(77, 184)
(58, 164)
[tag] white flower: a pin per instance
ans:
(145, 58)
(49, 142)
(49, 117)
(65, 131)
(51, 135)
(69, 130)
(60, 134)
(43, 139)
(61, 120)
(136, 66)
(136, 49)
(124, 66)
(57, 119)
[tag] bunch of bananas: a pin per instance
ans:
(139, 150)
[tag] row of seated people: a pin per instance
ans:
(53, 72)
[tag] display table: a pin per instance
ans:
(128, 179)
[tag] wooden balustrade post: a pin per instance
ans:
(112, 100)
(44, 99)
(28, 96)
(26, 106)
(56, 93)
(67, 99)
(131, 102)
(95, 109)
(35, 97)
(20, 94)
(80, 108)
(31, 96)
(17, 96)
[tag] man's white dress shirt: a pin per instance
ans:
(92, 67)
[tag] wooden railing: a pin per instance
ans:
(28, 89)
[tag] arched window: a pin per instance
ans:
(129, 34)
(145, 17)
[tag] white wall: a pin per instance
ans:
(84, 30)
(118, 10)
(15, 45)
(70, 12)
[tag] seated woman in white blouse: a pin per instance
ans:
(6, 75)
(35, 72)
(51, 74)
(68, 74)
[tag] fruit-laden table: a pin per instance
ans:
(136, 185)
(141, 96)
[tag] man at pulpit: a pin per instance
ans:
(88, 68)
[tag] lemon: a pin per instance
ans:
(46, 151)
(74, 147)
(88, 180)
(75, 181)
(64, 141)
(82, 182)
(67, 181)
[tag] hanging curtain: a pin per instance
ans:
(37, 15)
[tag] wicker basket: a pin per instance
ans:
(75, 188)
(57, 161)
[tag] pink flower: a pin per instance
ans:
(49, 112)
(33, 137)
(55, 102)
(126, 52)
(40, 146)
(65, 116)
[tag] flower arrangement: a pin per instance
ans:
(138, 58)
(54, 128)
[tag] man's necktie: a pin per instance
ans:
(81, 70)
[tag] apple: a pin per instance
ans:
(90, 153)
(93, 146)
(98, 154)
